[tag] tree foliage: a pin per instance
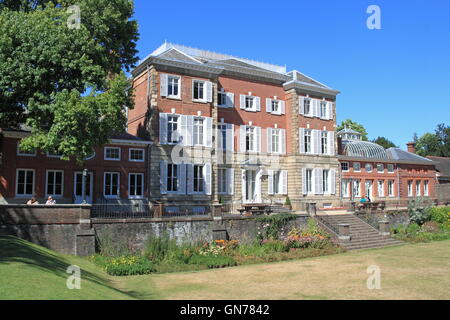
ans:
(355, 126)
(66, 83)
(434, 144)
(384, 142)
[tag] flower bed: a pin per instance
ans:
(164, 255)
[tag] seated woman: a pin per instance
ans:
(32, 201)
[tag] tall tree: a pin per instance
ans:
(355, 126)
(443, 134)
(385, 143)
(435, 144)
(66, 82)
(428, 145)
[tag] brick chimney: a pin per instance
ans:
(411, 147)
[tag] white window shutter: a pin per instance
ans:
(317, 141)
(304, 181)
(284, 182)
(163, 177)
(184, 131)
(315, 107)
(269, 105)
(258, 103)
(270, 182)
(332, 179)
(182, 178)
(230, 137)
(230, 100)
(207, 129)
(318, 181)
(282, 107)
(163, 128)
(190, 131)
(242, 100)
(207, 176)
(283, 141)
(209, 89)
(301, 105)
(190, 178)
(269, 140)
(244, 185)
(242, 131)
(301, 144)
(258, 139)
(331, 146)
(163, 79)
(230, 180)
(330, 110)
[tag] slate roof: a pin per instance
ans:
(442, 165)
(399, 154)
(227, 63)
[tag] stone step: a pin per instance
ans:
(362, 234)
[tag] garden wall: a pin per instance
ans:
(63, 228)
(135, 233)
(395, 218)
(68, 229)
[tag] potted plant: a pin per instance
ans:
(287, 204)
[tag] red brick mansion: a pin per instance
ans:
(210, 128)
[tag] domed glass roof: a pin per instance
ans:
(364, 149)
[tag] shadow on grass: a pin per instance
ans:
(16, 250)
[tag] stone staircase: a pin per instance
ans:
(278, 208)
(362, 234)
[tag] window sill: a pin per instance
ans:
(173, 97)
(136, 198)
(199, 101)
(136, 160)
(106, 159)
(111, 197)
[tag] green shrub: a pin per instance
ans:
(272, 226)
(124, 266)
(439, 214)
(156, 249)
(219, 261)
(112, 246)
(413, 228)
(418, 212)
(274, 246)
(400, 229)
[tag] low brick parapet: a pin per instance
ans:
(44, 214)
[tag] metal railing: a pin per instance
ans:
(138, 210)
(185, 211)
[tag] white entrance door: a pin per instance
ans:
(78, 187)
(251, 186)
(369, 189)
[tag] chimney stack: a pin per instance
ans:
(411, 147)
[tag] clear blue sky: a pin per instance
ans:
(395, 81)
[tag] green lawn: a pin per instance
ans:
(28, 271)
(412, 271)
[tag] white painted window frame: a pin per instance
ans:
(136, 149)
(25, 154)
(25, 195)
(115, 196)
(112, 159)
(54, 195)
(172, 96)
(142, 185)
